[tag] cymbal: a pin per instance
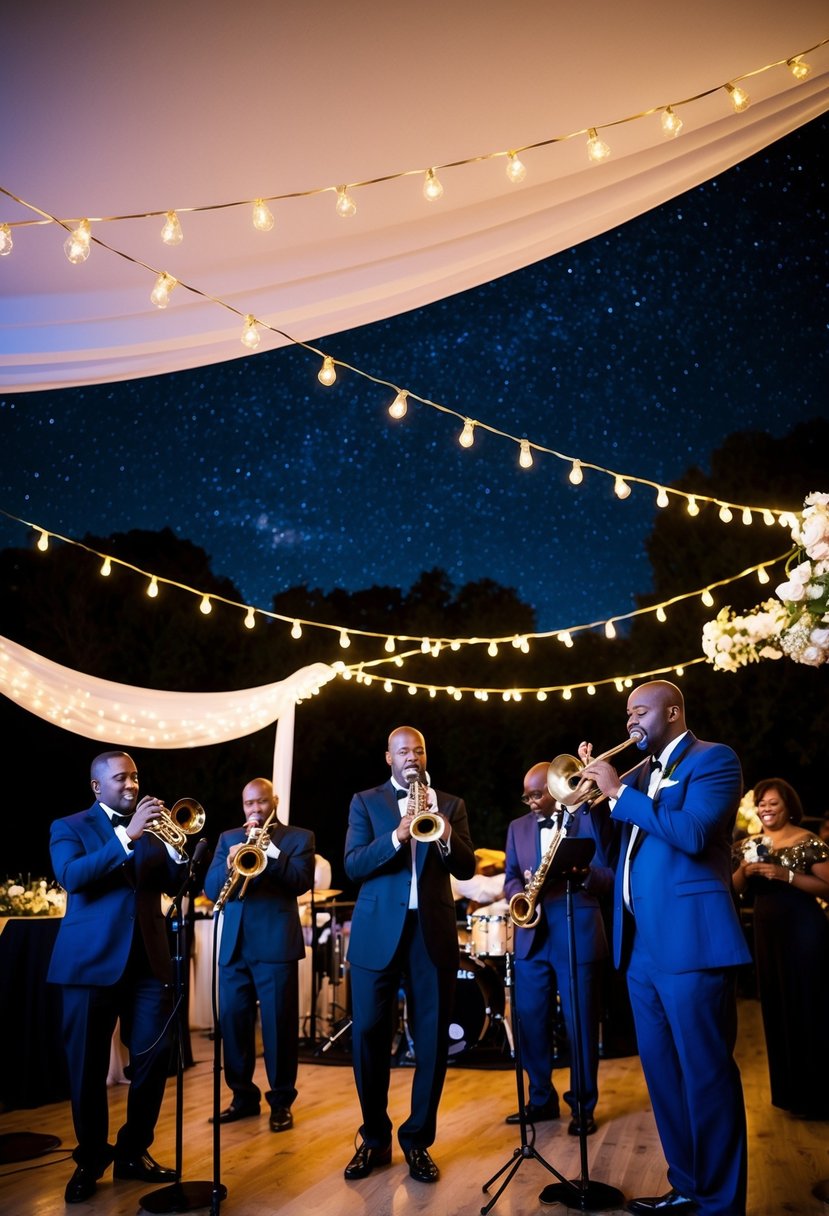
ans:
(319, 893)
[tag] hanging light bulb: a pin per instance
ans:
(621, 488)
(328, 372)
(524, 646)
(171, 233)
(345, 640)
(565, 638)
(250, 619)
(467, 435)
(389, 646)
(6, 242)
(296, 630)
(680, 671)
(77, 244)
(692, 508)
(160, 294)
(492, 649)
(454, 644)
(205, 607)
(432, 188)
(399, 406)
(398, 662)
(250, 334)
(740, 100)
(662, 497)
(433, 692)
(346, 207)
(762, 575)
(768, 518)
(747, 517)
(412, 690)
(609, 629)
(725, 514)
(43, 541)
(576, 474)
(591, 690)
(387, 685)
(541, 695)
(707, 598)
(106, 568)
(798, 68)
(671, 122)
(597, 149)
(567, 694)
(263, 219)
(152, 588)
(516, 169)
(620, 685)
(525, 458)
(425, 646)
(661, 615)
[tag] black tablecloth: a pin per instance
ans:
(33, 1070)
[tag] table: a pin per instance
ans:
(33, 1062)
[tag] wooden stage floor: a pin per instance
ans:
(299, 1172)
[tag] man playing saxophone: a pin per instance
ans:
(541, 950)
(258, 958)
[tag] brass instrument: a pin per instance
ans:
(185, 818)
(523, 907)
(248, 861)
(426, 825)
(564, 780)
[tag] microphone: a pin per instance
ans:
(200, 851)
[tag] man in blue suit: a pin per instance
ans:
(112, 959)
(677, 933)
(258, 957)
(542, 954)
(403, 928)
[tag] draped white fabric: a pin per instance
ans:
(151, 107)
(126, 716)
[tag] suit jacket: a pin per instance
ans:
(523, 852)
(109, 892)
(272, 932)
(385, 877)
(680, 873)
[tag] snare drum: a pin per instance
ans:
(479, 996)
(491, 936)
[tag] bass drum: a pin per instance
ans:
(479, 997)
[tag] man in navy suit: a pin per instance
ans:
(258, 957)
(404, 927)
(112, 959)
(677, 933)
(542, 953)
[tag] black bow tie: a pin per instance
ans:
(120, 821)
(548, 822)
(655, 763)
(401, 793)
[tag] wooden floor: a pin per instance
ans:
(300, 1172)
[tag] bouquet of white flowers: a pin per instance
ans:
(32, 897)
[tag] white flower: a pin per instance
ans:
(15, 890)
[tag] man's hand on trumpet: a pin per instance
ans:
(599, 771)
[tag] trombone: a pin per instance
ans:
(565, 782)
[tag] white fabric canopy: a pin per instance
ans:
(127, 716)
(125, 109)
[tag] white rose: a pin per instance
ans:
(15, 889)
(791, 591)
(812, 500)
(819, 637)
(812, 656)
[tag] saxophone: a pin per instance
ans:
(523, 907)
(427, 825)
(248, 861)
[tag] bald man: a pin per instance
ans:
(258, 958)
(677, 934)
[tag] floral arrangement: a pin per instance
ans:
(798, 625)
(748, 820)
(34, 897)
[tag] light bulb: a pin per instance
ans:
(762, 575)
(389, 646)
(398, 407)
(152, 588)
(621, 488)
(328, 372)
(160, 294)
(768, 518)
(597, 149)
(747, 517)
(525, 458)
(620, 685)
(457, 695)
(432, 188)
(541, 695)
(435, 649)
(661, 615)
(516, 169)
(467, 435)
(387, 685)
(263, 219)
(171, 233)
(662, 497)
(43, 542)
(740, 100)
(6, 242)
(433, 692)
(346, 207)
(567, 694)
(296, 630)
(412, 690)
(671, 122)
(680, 671)
(345, 640)
(425, 646)
(250, 619)
(205, 607)
(707, 598)
(398, 662)
(492, 649)
(524, 646)
(725, 514)
(106, 568)
(250, 334)
(692, 508)
(798, 68)
(591, 690)
(576, 474)
(77, 244)
(565, 638)
(609, 629)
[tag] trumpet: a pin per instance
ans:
(523, 907)
(185, 818)
(427, 825)
(565, 782)
(248, 861)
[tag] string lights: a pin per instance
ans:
(263, 219)
(171, 233)
(160, 294)
(77, 244)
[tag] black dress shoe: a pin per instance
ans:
(81, 1185)
(671, 1202)
(143, 1168)
(365, 1159)
(538, 1114)
(281, 1119)
(421, 1166)
(231, 1113)
(583, 1127)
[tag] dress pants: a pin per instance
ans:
(276, 985)
(374, 998)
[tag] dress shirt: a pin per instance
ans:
(658, 767)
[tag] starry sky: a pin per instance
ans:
(638, 351)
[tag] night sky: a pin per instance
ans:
(639, 351)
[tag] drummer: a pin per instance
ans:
(541, 953)
(486, 886)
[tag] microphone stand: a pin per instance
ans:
(180, 1196)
